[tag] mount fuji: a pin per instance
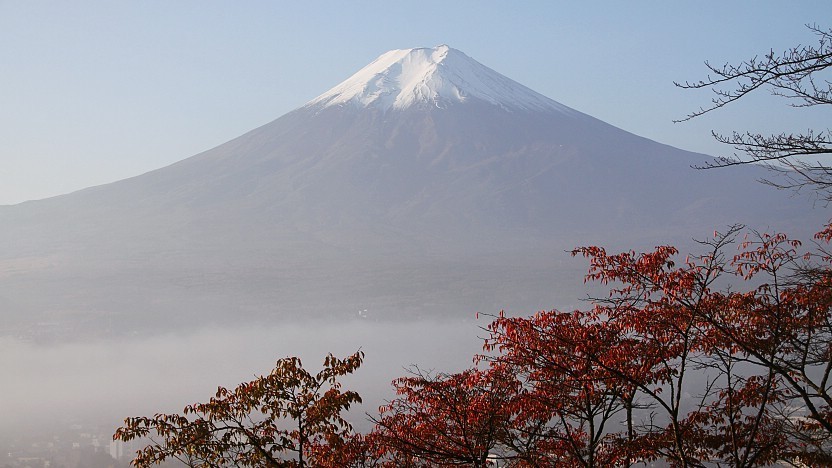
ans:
(424, 185)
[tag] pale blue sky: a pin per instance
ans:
(96, 91)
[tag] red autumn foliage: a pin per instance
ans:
(666, 367)
(717, 359)
(445, 419)
(275, 420)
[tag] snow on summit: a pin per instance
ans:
(437, 77)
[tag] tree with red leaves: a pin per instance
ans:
(655, 308)
(564, 413)
(766, 353)
(445, 419)
(351, 451)
(669, 367)
(784, 326)
(281, 419)
(717, 359)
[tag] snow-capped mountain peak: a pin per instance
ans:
(435, 77)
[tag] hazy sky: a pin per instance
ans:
(96, 91)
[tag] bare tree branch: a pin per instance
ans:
(796, 74)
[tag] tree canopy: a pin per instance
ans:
(274, 420)
(671, 365)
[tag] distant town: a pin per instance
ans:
(74, 446)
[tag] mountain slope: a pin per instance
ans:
(426, 184)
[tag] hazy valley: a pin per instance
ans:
(382, 215)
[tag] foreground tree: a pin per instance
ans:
(665, 314)
(281, 419)
(799, 74)
(668, 367)
(445, 419)
(567, 406)
(714, 360)
(785, 326)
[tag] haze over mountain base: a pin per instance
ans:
(425, 186)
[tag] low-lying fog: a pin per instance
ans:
(52, 387)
